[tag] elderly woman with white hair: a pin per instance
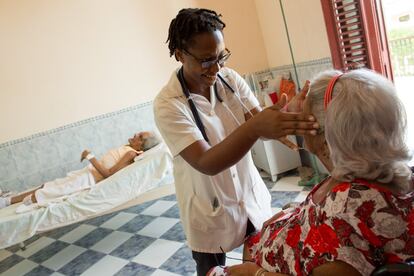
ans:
(362, 216)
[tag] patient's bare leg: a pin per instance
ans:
(19, 198)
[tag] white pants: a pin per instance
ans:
(74, 182)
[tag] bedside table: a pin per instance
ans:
(274, 158)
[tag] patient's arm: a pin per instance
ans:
(335, 268)
(126, 160)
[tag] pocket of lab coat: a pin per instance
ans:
(203, 217)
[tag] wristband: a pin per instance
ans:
(90, 156)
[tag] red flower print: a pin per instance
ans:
(312, 216)
(343, 229)
(277, 260)
(313, 235)
(341, 187)
(293, 236)
(280, 261)
(409, 246)
(369, 235)
(298, 266)
(323, 239)
(259, 257)
(270, 258)
(365, 211)
(410, 219)
(391, 258)
(272, 236)
(313, 262)
(306, 253)
(254, 239)
(322, 217)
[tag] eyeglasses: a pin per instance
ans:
(221, 60)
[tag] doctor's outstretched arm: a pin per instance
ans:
(270, 123)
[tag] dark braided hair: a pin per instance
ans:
(190, 22)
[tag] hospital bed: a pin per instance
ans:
(151, 171)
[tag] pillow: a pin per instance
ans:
(151, 151)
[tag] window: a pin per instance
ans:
(356, 34)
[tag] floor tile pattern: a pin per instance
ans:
(146, 239)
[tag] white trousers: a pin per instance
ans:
(74, 182)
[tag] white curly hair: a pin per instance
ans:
(364, 127)
(151, 141)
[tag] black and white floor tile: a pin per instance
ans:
(146, 239)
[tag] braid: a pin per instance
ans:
(190, 22)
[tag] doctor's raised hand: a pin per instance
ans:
(272, 123)
(296, 103)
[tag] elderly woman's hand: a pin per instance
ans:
(245, 269)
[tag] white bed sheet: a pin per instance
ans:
(151, 170)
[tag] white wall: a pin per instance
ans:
(243, 34)
(67, 60)
(63, 61)
(306, 28)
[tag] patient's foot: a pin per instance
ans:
(4, 202)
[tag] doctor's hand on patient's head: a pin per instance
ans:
(272, 123)
(296, 103)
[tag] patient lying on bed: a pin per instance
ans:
(76, 181)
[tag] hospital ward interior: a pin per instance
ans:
(124, 150)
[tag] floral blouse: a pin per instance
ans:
(358, 223)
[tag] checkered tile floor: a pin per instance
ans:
(146, 239)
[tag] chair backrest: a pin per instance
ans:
(406, 268)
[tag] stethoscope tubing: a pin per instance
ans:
(193, 107)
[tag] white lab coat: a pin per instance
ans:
(213, 209)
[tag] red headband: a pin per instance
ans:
(329, 90)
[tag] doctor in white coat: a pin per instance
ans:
(210, 119)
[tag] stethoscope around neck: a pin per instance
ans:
(192, 105)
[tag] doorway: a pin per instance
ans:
(399, 21)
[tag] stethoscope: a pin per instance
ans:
(193, 107)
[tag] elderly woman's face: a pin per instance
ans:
(138, 139)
